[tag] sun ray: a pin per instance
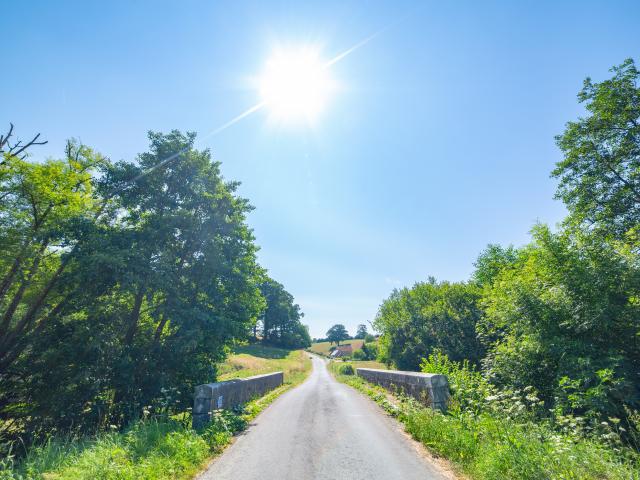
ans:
(258, 106)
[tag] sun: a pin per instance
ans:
(295, 84)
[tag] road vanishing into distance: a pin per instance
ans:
(323, 429)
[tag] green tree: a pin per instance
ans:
(337, 333)
(42, 206)
(191, 281)
(492, 261)
(146, 273)
(281, 317)
(430, 315)
(361, 331)
(564, 319)
(600, 172)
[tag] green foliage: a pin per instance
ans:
(513, 450)
(564, 319)
(151, 449)
(361, 331)
(281, 324)
(493, 446)
(359, 355)
(558, 319)
(346, 369)
(369, 351)
(337, 333)
(430, 315)
(600, 172)
(148, 450)
(492, 261)
(122, 285)
(469, 389)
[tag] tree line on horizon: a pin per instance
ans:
(338, 333)
(558, 318)
(123, 284)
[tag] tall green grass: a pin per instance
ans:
(151, 449)
(486, 447)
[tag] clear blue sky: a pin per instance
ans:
(438, 142)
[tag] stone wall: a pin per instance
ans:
(230, 394)
(429, 388)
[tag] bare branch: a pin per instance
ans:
(5, 138)
(19, 148)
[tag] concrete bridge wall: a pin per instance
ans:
(230, 394)
(429, 388)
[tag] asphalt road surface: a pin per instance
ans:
(323, 430)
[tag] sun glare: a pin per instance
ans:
(295, 85)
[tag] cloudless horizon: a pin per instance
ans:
(437, 139)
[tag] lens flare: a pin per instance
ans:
(296, 84)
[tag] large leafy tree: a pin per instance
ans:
(191, 276)
(600, 173)
(337, 333)
(361, 331)
(281, 318)
(42, 208)
(564, 318)
(131, 282)
(430, 315)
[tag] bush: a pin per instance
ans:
(346, 369)
(359, 355)
(370, 351)
(469, 389)
(415, 321)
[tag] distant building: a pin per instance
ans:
(342, 351)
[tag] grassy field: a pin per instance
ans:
(159, 449)
(256, 359)
(322, 348)
(486, 447)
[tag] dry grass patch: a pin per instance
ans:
(257, 359)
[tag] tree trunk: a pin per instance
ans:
(135, 316)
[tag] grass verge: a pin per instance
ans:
(153, 449)
(488, 448)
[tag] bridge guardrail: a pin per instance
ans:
(230, 394)
(429, 388)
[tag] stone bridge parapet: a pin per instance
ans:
(429, 388)
(230, 394)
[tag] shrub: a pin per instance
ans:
(469, 389)
(359, 355)
(370, 351)
(346, 369)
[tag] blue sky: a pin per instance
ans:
(439, 140)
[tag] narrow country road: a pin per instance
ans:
(322, 430)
